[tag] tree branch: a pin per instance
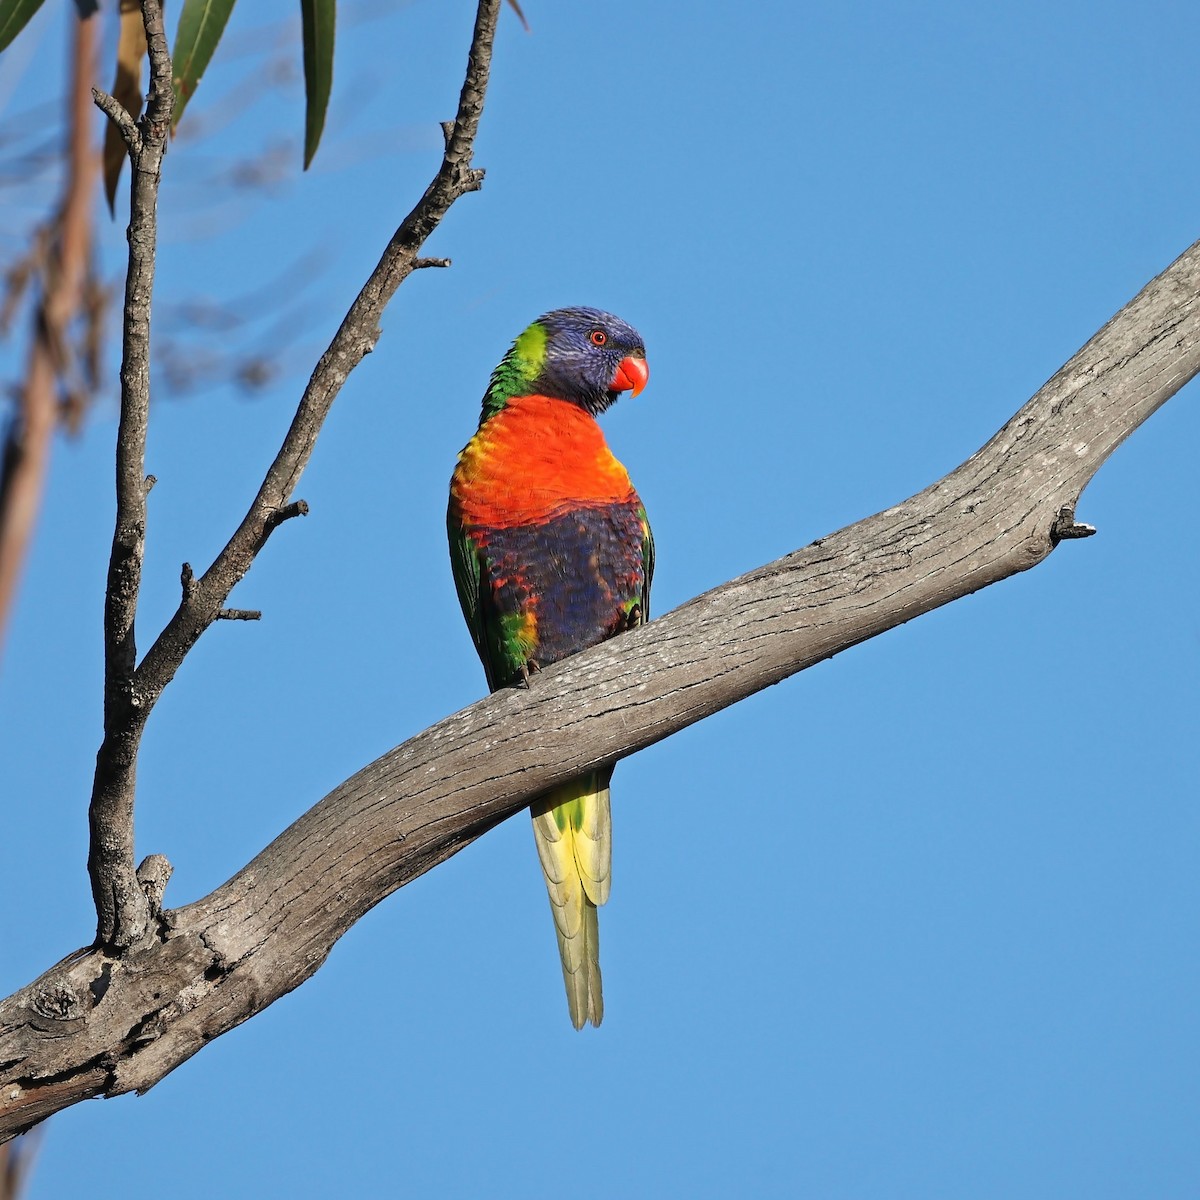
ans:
(94, 1025)
(354, 340)
(122, 913)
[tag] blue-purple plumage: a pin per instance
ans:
(580, 577)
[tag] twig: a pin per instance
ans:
(239, 614)
(121, 908)
(298, 508)
(153, 875)
(117, 113)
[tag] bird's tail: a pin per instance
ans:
(572, 826)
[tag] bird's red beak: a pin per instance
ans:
(631, 375)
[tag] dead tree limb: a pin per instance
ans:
(96, 1024)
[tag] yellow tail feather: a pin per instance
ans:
(572, 826)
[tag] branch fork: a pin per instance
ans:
(131, 689)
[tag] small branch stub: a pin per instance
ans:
(298, 508)
(1066, 528)
(115, 111)
(122, 914)
(240, 614)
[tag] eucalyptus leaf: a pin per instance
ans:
(318, 18)
(201, 24)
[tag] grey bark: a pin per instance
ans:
(120, 906)
(98, 1024)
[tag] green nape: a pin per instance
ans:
(516, 371)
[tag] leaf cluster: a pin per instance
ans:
(201, 23)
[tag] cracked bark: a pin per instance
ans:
(96, 1024)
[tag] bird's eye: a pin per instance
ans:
(598, 337)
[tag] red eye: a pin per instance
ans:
(598, 337)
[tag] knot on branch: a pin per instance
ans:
(58, 1001)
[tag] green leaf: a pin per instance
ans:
(14, 16)
(318, 16)
(201, 24)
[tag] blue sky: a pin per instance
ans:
(920, 922)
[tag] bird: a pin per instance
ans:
(552, 552)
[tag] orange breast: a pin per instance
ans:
(535, 459)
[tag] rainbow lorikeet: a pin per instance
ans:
(552, 553)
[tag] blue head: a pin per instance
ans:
(582, 355)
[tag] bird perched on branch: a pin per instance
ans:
(552, 553)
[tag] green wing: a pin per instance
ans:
(468, 574)
(647, 563)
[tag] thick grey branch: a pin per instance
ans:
(122, 913)
(95, 1025)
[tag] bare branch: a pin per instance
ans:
(88, 1027)
(355, 339)
(117, 113)
(298, 508)
(132, 690)
(121, 908)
